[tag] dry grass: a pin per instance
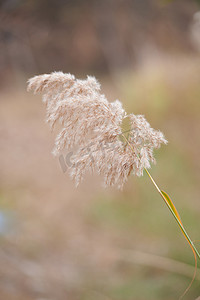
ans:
(64, 243)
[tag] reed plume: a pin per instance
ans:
(92, 128)
(92, 125)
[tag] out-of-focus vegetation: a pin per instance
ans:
(58, 242)
(90, 36)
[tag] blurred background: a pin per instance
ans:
(58, 242)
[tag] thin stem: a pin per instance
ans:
(180, 225)
(175, 214)
(171, 210)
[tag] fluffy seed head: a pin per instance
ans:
(91, 127)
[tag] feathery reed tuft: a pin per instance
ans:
(92, 128)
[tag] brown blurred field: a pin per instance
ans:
(58, 242)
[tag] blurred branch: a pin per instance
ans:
(159, 262)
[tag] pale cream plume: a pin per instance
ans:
(92, 125)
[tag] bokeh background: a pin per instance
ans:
(58, 242)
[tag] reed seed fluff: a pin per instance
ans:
(91, 127)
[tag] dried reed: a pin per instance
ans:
(93, 126)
